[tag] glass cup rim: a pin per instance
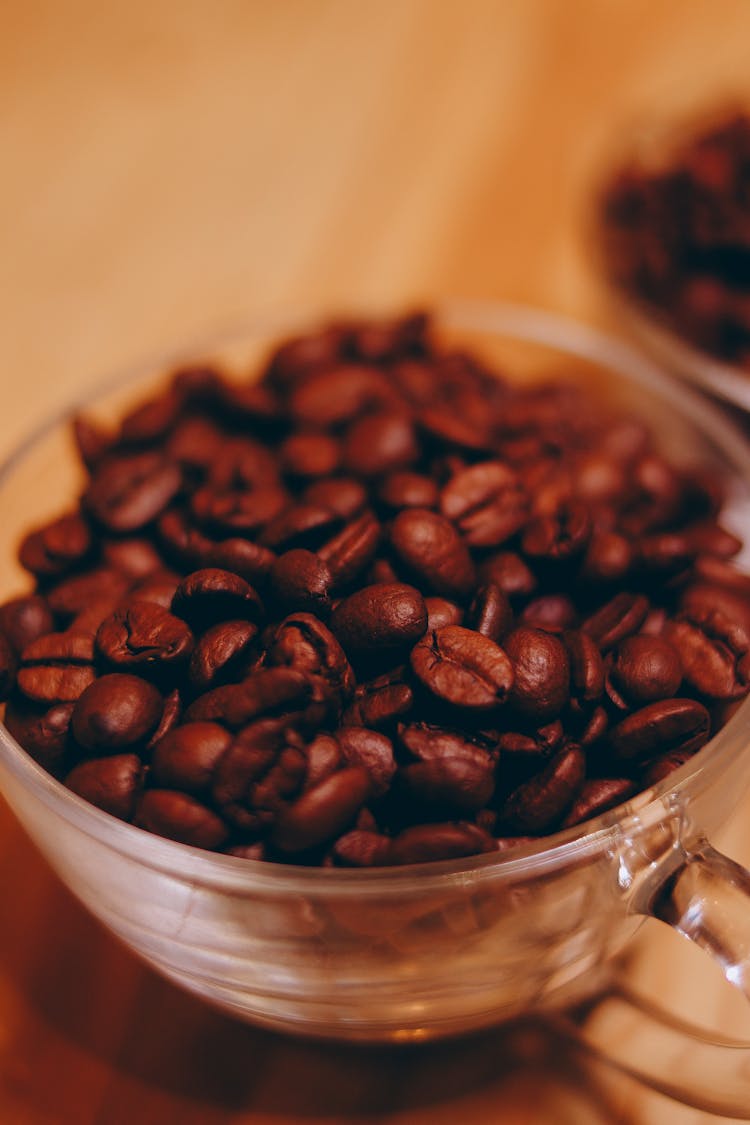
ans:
(525, 323)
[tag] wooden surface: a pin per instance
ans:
(167, 167)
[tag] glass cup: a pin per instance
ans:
(410, 953)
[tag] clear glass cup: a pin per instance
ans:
(411, 953)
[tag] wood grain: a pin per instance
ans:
(169, 166)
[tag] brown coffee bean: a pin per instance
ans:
(664, 766)
(208, 596)
(362, 848)
(433, 550)
(371, 750)
(79, 592)
(343, 495)
(709, 570)
(158, 588)
(309, 455)
(301, 581)
(300, 525)
(303, 643)
(266, 691)
(25, 619)
(323, 757)
(306, 352)
(463, 668)
(658, 728)
(559, 537)
(552, 612)
(252, 755)
(457, 783)
(509, 571)
(541, 673)
(116, 712)
(424, 843)
(597, 796)
(608, 558)
(714, 653)
(243, 558)
(490, 612)
(380, 443)
(404, 489)
(381, 341)
(379, 702)
(57, 547)
(540, 803)
(445, 428)
(143, 636)
(699, 600)
(112, 784)
(41, 731)
(128, 492)
(323, 812)
(171, 715)
(57, 667)
(92, 441)
(8, 667)
(186, 758)
(349, 552)
(135, 558)
(487, 503)
(586, 667)
(530, 748)
(644, 669)
(618, 618)
(151, 420)
(338, 394)
(180, 817)
(385, 618)
(237, 511)
(442, 612)
(223, 653)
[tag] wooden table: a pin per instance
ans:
(169, 166)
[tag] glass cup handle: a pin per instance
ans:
(705, 897)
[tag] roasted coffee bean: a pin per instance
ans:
(41, 731)
(180, 817)
(541, 673)
(463, 668)
(249, 758)
(79, 592)
(135, 558)
(303, 643)
(349, 552)
(371, 750)
(714, 653)
(186, 757)
(442, 612)
(424, 843)
(301, 581)
(151, 420)
(237, 511)
(323, 812)
(712, 571)
(223, 653)
(530, 748)
(92, 441)
(387, 340)
(457, 783)
(404, 489)
(699, 600)
(551, 612)
(540, 803)
(486, 502)
(586, 667)
(508, 571)
(116, 712)
(323, 757)
(243, 558)
(644, 669)
(112, 784)
(243, 463)
(608, 558)
(128, 492)
(300, 525)
(25, 619)
(665, 765)
(362, 848)
(309, 455)
(266, 691)
(618, 618)
(385, 618)
(559, 537)
(171, 715)
(145, 637)
(208, 596)
(490, 612)
(380, 443)
(57, 667)
(343, 495)
(158, 588)
(433, 550)
(379, 702)
(8, 667)
(658, 728)
(597, 796)
(57, 547)
(445, 428)
(338, 394)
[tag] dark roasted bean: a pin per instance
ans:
(77, 593)
(362, 848)
(379, 443)
(309, 455)
(490, 612)
(486, 502)
(457, 783)
(597, 796)
(586, 667)
(338, 394)
(322, 812)
(266, 691)
(23, 620)
(301, 581)
(136, 558)
(303, 643)
(323, 757)
(186, 757)
(112, 784)
(379, 702)
(223, 653)
(382, 618)
(343, 495)
(371, 750)
(658, 728)
(541, 673)
(57, 667)
(557, 538)
(403, 489)
(552, 612)
(349, 552)
(714, 653)
(509, 571)
(617, 619)
(433, 550)
(180, 817)
(116, 712)
(211, 595)
(644, 669)
(423, 843)
(300, 525)
(128, 492)
(57, 547)
(540, 803)
(144, 637)
(41, 731)
(463, 668)
(442, 612)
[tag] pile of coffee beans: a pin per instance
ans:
(677, 236)
(377, 606)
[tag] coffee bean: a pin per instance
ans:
(79, 592)
(57, 547)
(245, 559)
(424, 843)
(300, 525)
(180, 817)
(223, 653)
(379, 702)
(303, 643)
(713, 652)
(208, 596)
(385, 618)
(552, 612)
(301, 581)
(452, 775)
(112, 784)
(186, 758)
(379, 443)
(644, 669)
(597, 796)
(145, 637)
(8, 667)
(360, 848)
(116, 712)
(490, 612)
(487, 503)
(25, 619)
(608, 558)
(541, 673)
(349, 552)
(323, 757)
(509, 571)
(41, 731)
(586, 667)
(251, 756)
(309, 455)
(343, 495)
(171, 715)
(433, 550)
(338, 394)
(442, 612)
(618, 618)
(670, 724)
(323, 812)
(128, 492)
(92, 441)
(554, 539)
(538, 804)
(463, 668)
(237, 511)
(371, 750)
(404, 489)
(266, 691)
(57, 668)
